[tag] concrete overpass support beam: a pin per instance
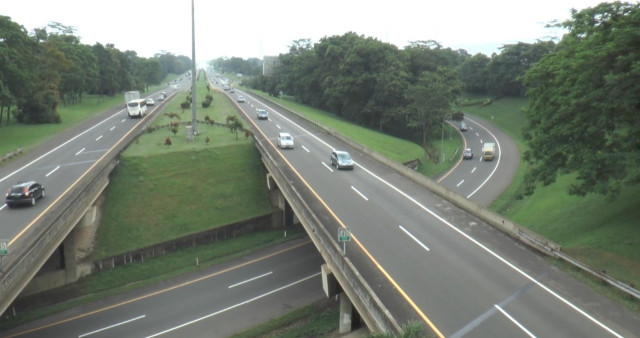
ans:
(329, 282)
(346, 313)
(69, 257)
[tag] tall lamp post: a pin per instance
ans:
(194, 101)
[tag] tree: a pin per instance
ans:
(234, 124)
(584, 115)
(506, 69)
(431, 99)
(474, 73)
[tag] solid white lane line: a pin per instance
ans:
(414, 238)
(99, 137)
(359, 193)
(234, 306)
(305, 148)
(457, 185)
(58, 147)
(52, 171)
(514, 321)
(111, 326)
(250, 279)
(81, 150)
(326, 166)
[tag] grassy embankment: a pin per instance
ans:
(598, 231)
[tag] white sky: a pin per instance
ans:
(256, 28)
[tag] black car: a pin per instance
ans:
(24, 193)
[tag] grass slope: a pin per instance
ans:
(600, 232)
(163, 192)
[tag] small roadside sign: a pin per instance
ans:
(344, 235)
(4, 247)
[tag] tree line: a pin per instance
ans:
(50, 66)
(405, 92)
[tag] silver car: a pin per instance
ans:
(285, 140)
(341, 160)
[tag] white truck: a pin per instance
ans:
(488, 151)
(130, 96)
(136, 107)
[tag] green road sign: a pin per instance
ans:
(344, 235)
(4, 247)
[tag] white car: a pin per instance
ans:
(150, 102)
(285, 140)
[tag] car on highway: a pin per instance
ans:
(285, 140)
(263, 114)
(467, 154)
(341, 160)
(463, 126)
(241, 99)
(26, 192)
(150, 102)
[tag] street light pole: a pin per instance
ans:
(442, 143)
(194, 100)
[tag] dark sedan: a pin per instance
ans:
(24, 193)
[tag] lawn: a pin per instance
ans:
(161, 192)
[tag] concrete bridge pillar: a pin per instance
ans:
(346, 313)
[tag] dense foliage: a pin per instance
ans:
(407, 93)
(585, 103)
(49, 67)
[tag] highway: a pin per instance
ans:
(459, 274)
(464, 277)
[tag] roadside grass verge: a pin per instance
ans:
(395, 148)
(594, 229)
(316, 320)
(156, 198)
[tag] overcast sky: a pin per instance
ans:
(256, 28)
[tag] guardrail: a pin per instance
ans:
(492, 218)
(11, 155)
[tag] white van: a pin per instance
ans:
(137, 108)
